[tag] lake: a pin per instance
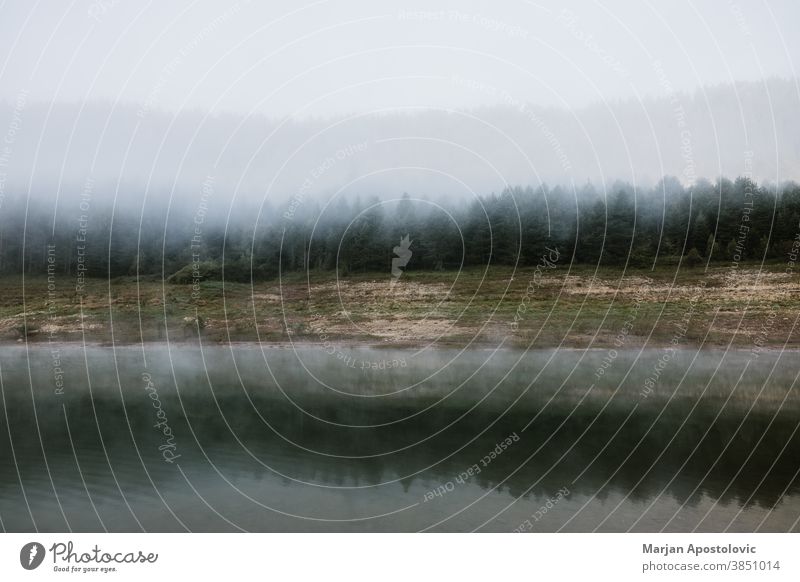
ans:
(333, 438)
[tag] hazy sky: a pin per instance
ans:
(333, 57)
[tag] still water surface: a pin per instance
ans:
(278, 439)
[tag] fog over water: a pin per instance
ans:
(271, 439)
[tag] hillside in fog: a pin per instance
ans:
(130, 152)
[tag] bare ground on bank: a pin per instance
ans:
(577, 308)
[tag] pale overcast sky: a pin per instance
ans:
(332, 57)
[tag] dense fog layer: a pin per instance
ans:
(129, 155)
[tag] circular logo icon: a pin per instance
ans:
(31, 555)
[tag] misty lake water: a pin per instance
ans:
(175, 438)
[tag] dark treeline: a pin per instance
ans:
(724, 221)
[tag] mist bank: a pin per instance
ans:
(135, 153)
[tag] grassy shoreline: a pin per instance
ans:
(579, 307)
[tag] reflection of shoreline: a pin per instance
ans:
(287, 438)
(640, 458)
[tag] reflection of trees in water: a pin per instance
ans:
(724, 447)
